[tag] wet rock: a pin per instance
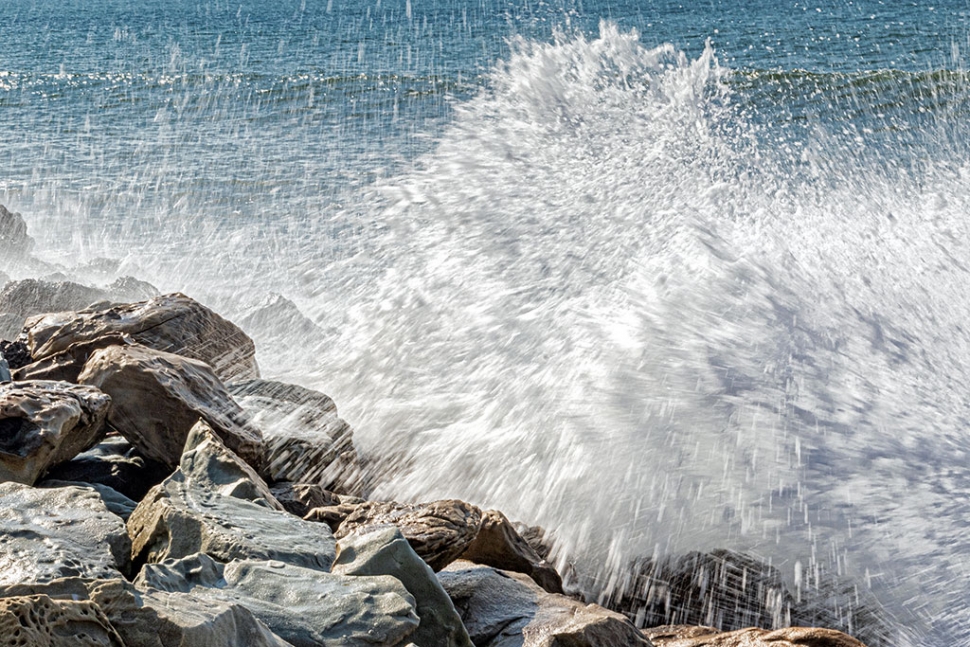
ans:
(67, 365)
(384, 551)
(502, 609)
(15, 242)
(216, 504)
(40, 620)
(46, 423)
(690, 636)
(306, 442)
(499, 545)
(30, 297)
(116, 502)
(113, 463)
(306, 607)
(439, 531)
(172, 323)
(47, 534)
(301, 498)
(16, 353)
(157, 397)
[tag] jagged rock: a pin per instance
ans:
(67, 365)
(306, 442)
(503, 609)
(384, 551)
(690, 636)
(30, 297)
(38, 620)
(306, 607)
(300, 498)
(535, 536)
(113, 463)
(499, 545)
(16, 353)
(46, 423)
(15, 243)
(172, 323)
(216, 504)
(128, 289)
(47, 534)
(116, 502)
(439, 531)
(156, 398)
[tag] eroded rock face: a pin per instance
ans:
(172, 323)
(67, 365)
(306, 607)
(158, 397)
(502, 609)
(385, 551)
(216, 504)
(46, 534)
(690, 636)
(40, 620)
(301, 498)
(46, 423)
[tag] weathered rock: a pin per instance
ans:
(690, 636)
(306, 442)
(15, 242)
(301, 498)
(113, 463)
(439, 531)
(157, 397)
(384, 551)
(308, 608)
(30, 297)
(39, 621)
(216, 504)
(499, 545)
(67, 365)
(116, 502)
(503, 609)
(536, 537)
(47, 534)
(16, 353)
(172, 323)
(46, 423)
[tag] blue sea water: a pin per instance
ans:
(660, 276)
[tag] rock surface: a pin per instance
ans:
(15, 243)
(301, 498)
(47, 534)
(306, 607)
(215, 504)
(67, 365)
(438, 532)
(172, 323)
(384, 551)
(46, 423)
(16, 353)
(39, 621)
(30, 297)
(691, 636)
(157, 397)
(116, 502)
(503, 609)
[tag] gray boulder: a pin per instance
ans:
(47, 534)
(116, 502)
(384, 551)
(46, 423)
(30, 297)
(157, 397)
(216, 504)
(503, 609)
(173, 323)
(306, 607)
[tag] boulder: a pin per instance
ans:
(157, 397)
(38, 620)
(67, 365)
(216, 504)
(15, 243)
(172, 323)
(306, 607)
(46, 423)
(301, 498)
(691, 636)
(15, 352)
(439, 531)
(306, 442)
(384, 551)
(47, 534)
(504, 609)
(30, 297)
(498, 544)
(116, 502)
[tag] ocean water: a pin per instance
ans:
(657, 276)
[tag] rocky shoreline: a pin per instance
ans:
(157, 491)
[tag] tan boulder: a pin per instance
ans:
(691, 636)
(40, 621)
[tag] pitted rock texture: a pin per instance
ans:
(306, 607)
(157, 397)
(39, 621)
(216, 504)
(172, 323)
(691, 636)
(45, 423)
(47, 534)
(438, 532)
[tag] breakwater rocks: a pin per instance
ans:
(156, 491)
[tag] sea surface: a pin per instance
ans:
(659, 276)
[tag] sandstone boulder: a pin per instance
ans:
(46, 423)
(172, 323)
(691, 636)
(158, 397)
(38, 620)
(216, 504)
(439, 531)
(67, 365)
(301, 498)
(502, 609)
(384, 551)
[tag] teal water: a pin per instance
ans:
(659, 276)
